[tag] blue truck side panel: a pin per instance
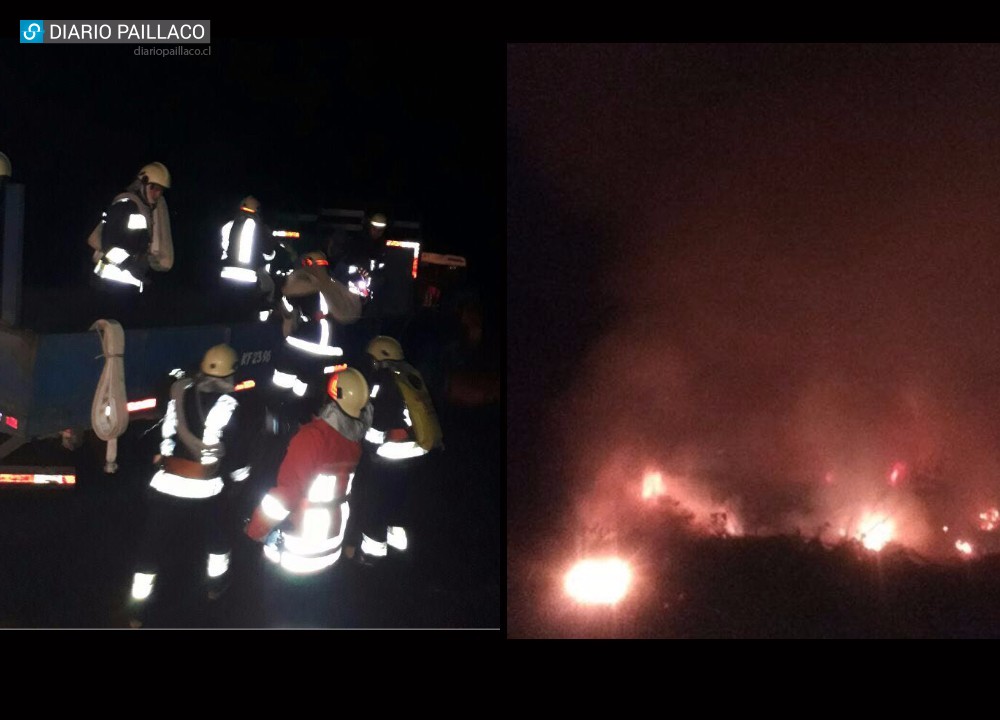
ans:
(48, 381)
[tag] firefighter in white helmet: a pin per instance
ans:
(248, 247)
(133, 236)
(302, 520)
(203, 451)
(404, 429)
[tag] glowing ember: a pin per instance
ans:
(989, 520)
(598, 581)
(963, 546)
(874, 531)
(652, 486)
(897, 473)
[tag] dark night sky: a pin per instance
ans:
(751, 266)
(413, 128)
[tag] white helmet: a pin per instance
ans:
(219, 361)
(383, 347)
(349, 389)
(155, 172)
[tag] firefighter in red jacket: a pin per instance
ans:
(301, 521)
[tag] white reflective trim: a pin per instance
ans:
(218, 418)
(136, 221)
(395, 536)
(217, 564)
(323, 488)
(246, 241)
(375, 436)
(269, 258)
(323, 307)
(378, 224)
(225, 238)
(263, 315)
(267, 267)
(273, 508)
(329, 350)
(240, 475)
(301, 565)
(116, 255)
(374, 391)
(285, 380)
(309, 546)
(299, 387)
(329, 369)
(169, 430)
(288, 305)
(324, 332)
(406, 417)
(299, 546)
(182, 487)
(244, 275)
(373, 547)
(120, 200)
(350, 483)
(116, 274)
(315, 525)
(400, 450)
(352, 269)
(142, 585)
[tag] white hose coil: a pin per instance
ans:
(109, 411)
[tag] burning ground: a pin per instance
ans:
(762, 294)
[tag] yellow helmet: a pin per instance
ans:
(219, 361)
(349, 389)
(383, 347)
(250, 203)
(155, 172)
(5, 170)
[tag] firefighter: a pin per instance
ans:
(202, 452)
(133, 236)
(248, 248)
(359, 264)
(313, 307)
(404, 428)
(301, 521)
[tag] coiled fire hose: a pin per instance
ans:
(109, 411)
